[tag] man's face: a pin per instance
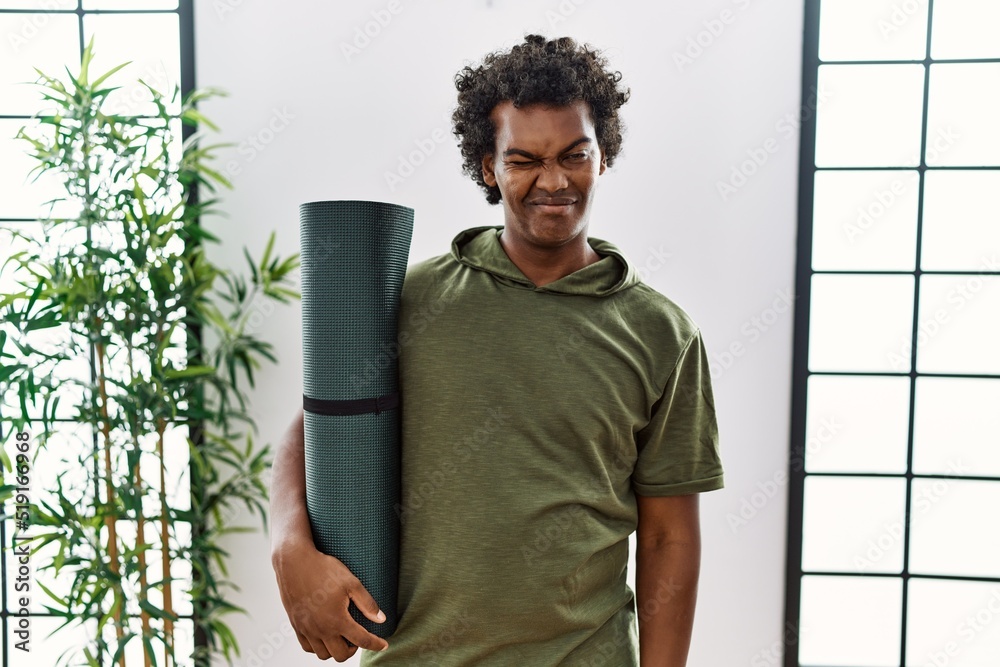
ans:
(546, 164)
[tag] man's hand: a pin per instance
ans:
(316, 590)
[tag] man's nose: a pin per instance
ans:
(552, 178)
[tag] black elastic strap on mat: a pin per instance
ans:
(357, 406)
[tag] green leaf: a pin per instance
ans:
(267, 253)
(85, 58)
(193, 117)
(189, 372)
(104, 76)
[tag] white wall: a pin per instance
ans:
(340, 124)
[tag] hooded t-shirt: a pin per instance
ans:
(531, 416)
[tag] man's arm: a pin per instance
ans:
(668, 561)
(289, 519)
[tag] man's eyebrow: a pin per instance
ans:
(518, 151)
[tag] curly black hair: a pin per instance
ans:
(557, 72)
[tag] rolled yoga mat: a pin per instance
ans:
(354, 256)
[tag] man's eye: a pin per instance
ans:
(577, 156)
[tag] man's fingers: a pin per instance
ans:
(356, 633)
(303, 642)
(321, 650)
(361, 638)
(365, 602)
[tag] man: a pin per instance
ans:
(552, 404)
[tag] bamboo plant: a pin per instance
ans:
(123, 282)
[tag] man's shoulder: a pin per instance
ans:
(430, 267)
(427, 273)
(652, 313)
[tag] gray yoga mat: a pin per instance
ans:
(354, 256)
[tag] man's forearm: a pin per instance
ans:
(289, 520)
(666, 590)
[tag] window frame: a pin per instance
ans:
(804, 272)
(185, 14)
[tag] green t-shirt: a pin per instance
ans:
(530, 418)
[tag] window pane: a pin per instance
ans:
(71, 641)
(956, 428)
(49, 42)
(872, 30)
(857, 424)
(957, 534)
(853, 524)
(151, 42)
(21, 196)
(130, 4)
(58, 458)
(871, 115)
(965, 29)
(175, 451)
(860, 323)
(865, 220)
(38, 4)
(961, 218)
(12, 277)
(69, 375)
(952, 623)
(850, 621)
(963, 108)
(960, 322)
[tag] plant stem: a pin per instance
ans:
(109, 519)
(140, 528)
(168, 624)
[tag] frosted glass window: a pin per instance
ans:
(59, 457)
(962, 112)
(961, 219)
(857, 424)
(183, 644)
(861, 323)
(872, 30)
(965, 29)
(69, 376)
(952, 623)
(956, 427)
(21, 195)
(865, 220)
(71, 641)
(175, 450)
(954, 528)
(853, 524)
(38, 4)
(179, 571)
(850, 621)
(959, 322)
(130, 4)
(50, 42)
(870, 115)
(12, 276)
(151, 42)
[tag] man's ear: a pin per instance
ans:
(604, 162)
(488, 176)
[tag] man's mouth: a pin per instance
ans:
(553, 204)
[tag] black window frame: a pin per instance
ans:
(800, 369)
(185, 14)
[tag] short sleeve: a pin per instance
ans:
(678, 450)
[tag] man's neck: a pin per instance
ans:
(545, 265)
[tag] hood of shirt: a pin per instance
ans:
(479, 248)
